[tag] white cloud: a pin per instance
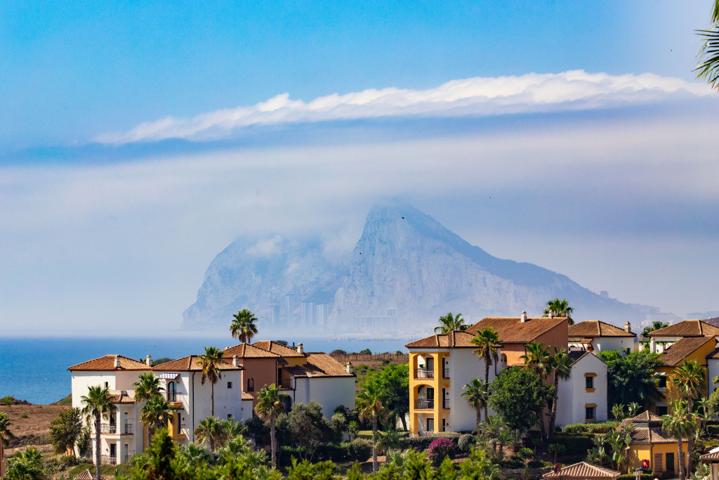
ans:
(477, 96)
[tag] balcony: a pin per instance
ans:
(127, 429)
(108, 459)
(108, 428)
(424, 403)
(421, 372)
(445, 372)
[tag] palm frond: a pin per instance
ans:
(708, 68)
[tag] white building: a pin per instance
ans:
(583, 396)
(662, 339)
(598, 336)
(322, 380)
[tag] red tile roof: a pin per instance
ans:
(513, 330)
(319, 365)
(687, 328)
(582, 471)
(245, 350)
(676, 353)
(710, 457)
(108, 363)
(279, 349)
(597, 328)
(445, 340)
(191, 363)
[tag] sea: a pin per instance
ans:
(35, 369)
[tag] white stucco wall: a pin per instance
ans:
(464, 366)
(619, 344)
(328, 392)
(573, 395)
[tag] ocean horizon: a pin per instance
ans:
(35, 369)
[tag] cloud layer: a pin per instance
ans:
(477, 96)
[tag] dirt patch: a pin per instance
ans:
(30, 424)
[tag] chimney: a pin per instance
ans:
(148, 360)
(235, 361)
(300, 348)
(117, 361)
(523, 318)
(348, 367)
(628, 327)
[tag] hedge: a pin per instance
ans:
(357, 450)
(574, 443)
(631, 476)
(591, 428)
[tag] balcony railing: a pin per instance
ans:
(108, 459)
(107, 428)
(127, 429)
(445, 372)
(424, 403)
(424, 373)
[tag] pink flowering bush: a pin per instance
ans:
(439, 449)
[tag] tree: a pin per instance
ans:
(244, 325)
(369, 407)
(451, 323)
(147, 386)
(708, 68)
(26, 465)
(157, 462)
(392, 381)
(268, 408)
(65, 430)
(212, 432)
(680, 423)
(97, 404)
(5, 436)
(519, 395)
(488, 345)
(155, 414)
(561, 366)
(479, 467)
(476, 393)
(656, 325)
(210, 363)
(632, 377)
(559, 307)
(307, 427)
(688, 379)
(538, 358)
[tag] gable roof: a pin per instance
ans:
(597, 328)
(711, 457)
(677, 352)
(687, 328)
(582, 471)
(645, 417)
(278, 349)
(245, 350)
(107, 363)
(513, 330)
(191, 363)
(319, 365)
(445, 340)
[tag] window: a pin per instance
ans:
(229, 384)
(662, 381)
(444, 424)
(171, 391)
(107, 385)
(430, 424)
(250, 384)
(590, 411)
(589, 382)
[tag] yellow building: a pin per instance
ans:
(651, 444)
(695, 349)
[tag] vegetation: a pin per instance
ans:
(155, 413)
(210, 363)
(269, 407)
(244, 325)
(708, 67)
(392, 383)
(476, 393)
(631, 377)
(96, 405)
(681, 424)
(5, 436)
(519, 395)
(26, 465)
(656, 325)
(559, 307)
(488, 344)
(147, 387)
(65, 431)
(451, 323)
(370, 407)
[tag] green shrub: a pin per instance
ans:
(574, 444)
(590, 428)
(631, 476)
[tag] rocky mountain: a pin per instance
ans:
(405, 271)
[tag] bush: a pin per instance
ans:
(574, 444)
(465, 442)
(422, 443)
(590, 428)
(439, 449)
(631, 476)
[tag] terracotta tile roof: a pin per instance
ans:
(711, 457)
(677, 352)
(279, 349)
(85, 475)
(597, 328)
(582, 471)
(645, 417)
(445, 340)
(191, 363)
(687, 328)
(246, 396)
(245, 350)
(643, 434)
(319, 365)
(513, 330)
(107, 363)
(122, 398)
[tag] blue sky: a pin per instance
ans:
(137, 139)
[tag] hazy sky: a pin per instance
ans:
(137, 140)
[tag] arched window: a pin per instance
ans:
(171, 391)
(250, 384)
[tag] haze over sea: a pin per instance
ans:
(35, 369)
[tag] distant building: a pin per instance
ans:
(583, 396)
(595, 335)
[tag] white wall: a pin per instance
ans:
(464, 366)
(573, 395)
(228, 401)
(713, 368)
(328, 392)
(619, 344)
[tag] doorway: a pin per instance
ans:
(669, 463)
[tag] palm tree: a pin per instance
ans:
(451, 323)
(488, 345)
(680, 423)
(97, 404)
(5, 436)
(210, 363)
(538, 358)
(559, 307)
(476, 393)
(147, 386)
(212, 432)
(243, 325)
(268, 408)
(689, 381)
(709, 66)
(561, 365)
(155, 413)
(369, 407)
